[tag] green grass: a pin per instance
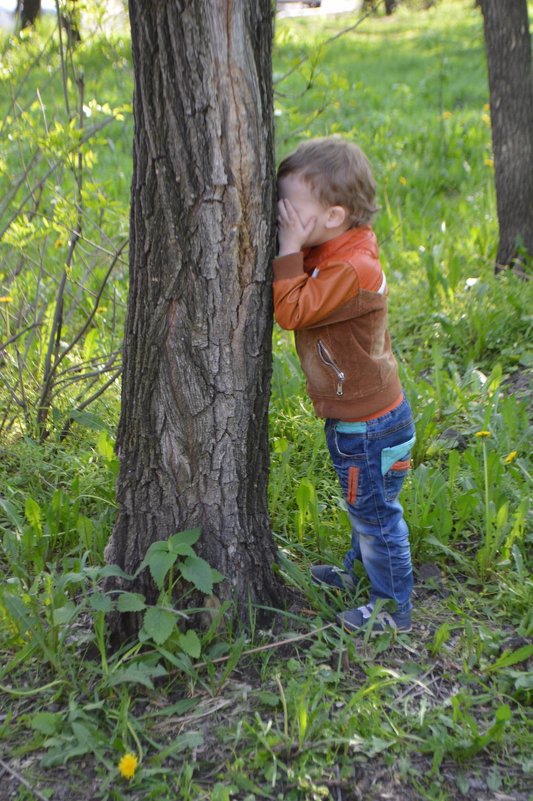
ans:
(300, 711)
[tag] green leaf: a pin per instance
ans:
(46, 722)
(191, 739)
(160, 563)
(190, 642)
(64, 614)
(11, 513)
(182, 541)
(508, 659)
(131, 602)
(88, 419)
(159, 624)
(198, 572)
(100, 602)
(137, 673)
(32, 510)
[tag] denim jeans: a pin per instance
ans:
(372, 459)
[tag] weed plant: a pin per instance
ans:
(302, 710)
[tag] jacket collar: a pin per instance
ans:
(361, 238)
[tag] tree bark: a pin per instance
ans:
(508, 46)
(193, 432)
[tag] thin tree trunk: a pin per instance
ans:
(27, 12)
(193, 432)
(508, 45)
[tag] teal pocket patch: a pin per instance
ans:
(350, 428)
(395, 454)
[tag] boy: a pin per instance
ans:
(330, 289)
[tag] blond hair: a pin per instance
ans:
(338, 173)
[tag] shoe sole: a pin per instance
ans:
(374, 631)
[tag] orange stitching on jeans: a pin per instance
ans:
(353, 480)
(405, 465)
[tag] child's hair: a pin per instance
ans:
(338, 173)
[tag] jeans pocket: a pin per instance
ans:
(395, 463)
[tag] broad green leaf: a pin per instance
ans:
(100, 602)
(198, 572)
(190, 642)
(138, 673)
(32, 510)
(183, 539)
(104, 445)
(46, 722)
(159, 624)
(64, 614)
(131, 602)
(159, 564)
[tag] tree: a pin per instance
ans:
(508, 45)
(193, 432)
(27, 12)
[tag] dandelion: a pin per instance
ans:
(403, 180)
(482, 434)
(128, 765)
(446, 115)
(509, 459)
(488, 162)
(6, 299)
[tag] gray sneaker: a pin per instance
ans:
(364, 617)
(330, 576)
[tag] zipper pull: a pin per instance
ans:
(340, 389)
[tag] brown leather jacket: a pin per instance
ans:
(334, 297)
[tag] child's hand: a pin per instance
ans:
(292, 232)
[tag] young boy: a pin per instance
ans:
(330, 289)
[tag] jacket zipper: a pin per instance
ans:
(328, 360)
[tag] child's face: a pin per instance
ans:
(293, 188)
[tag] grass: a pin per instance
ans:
(301, 710)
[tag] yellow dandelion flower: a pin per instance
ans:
(486, 107)
(488, 162)
(446, 115)
(482, 434)
(509, 459)
(128, 765)
(485, 118)
(6, 299)
(403, 180)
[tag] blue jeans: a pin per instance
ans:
(372, 460)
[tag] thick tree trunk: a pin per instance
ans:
(508, 45)
(193, 433)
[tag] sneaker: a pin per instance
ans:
(330, 576)
(355, 620)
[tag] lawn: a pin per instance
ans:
(299, 711)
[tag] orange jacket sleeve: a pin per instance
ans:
(302, 300)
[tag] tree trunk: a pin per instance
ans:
(27, 12)
(508, 45)
(193, 432)
(192, 437)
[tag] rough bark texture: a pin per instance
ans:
(193, 433)
(508, 45)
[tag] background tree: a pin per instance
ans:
(27, 12)
(508, 45)
(192, 438)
